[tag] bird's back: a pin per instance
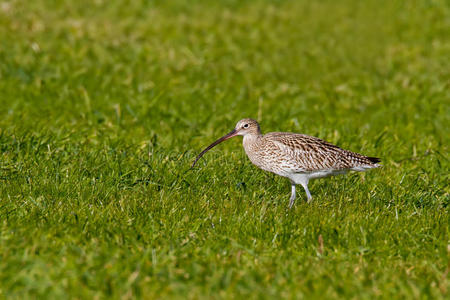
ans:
(287, 153)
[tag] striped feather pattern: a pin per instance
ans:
(284, 153)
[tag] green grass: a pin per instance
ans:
(105, 104)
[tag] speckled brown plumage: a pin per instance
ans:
(301, 153)
(296, 156)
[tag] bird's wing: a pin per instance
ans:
(309, 153)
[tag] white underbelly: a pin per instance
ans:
(303, 177)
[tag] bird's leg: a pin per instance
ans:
(291, 200)
(308, 194)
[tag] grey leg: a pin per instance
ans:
(291, 200)
(308, 194)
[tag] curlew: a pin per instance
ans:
(298, 157)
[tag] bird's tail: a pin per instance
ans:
(373, 159)
(372, 162)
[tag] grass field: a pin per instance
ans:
(105, 104)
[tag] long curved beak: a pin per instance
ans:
(224, 138)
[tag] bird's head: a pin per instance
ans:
(247, 126)
(243, 127)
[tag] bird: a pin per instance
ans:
(298, 157)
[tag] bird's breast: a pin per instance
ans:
(265, 156)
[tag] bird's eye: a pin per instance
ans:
(246, 126)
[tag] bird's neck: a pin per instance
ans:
(250, 140)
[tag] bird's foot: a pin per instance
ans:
(291, 203)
